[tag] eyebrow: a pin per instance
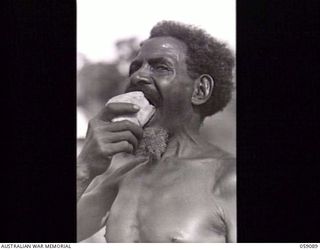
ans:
(160, 60)
(153, 61)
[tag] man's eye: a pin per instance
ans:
(162, 67)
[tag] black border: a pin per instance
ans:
(41, 193)
(277, 122)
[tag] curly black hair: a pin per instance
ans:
(205, 55)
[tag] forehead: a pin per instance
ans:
(163, 47)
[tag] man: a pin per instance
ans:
(164, 183)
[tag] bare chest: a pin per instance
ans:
(170, 203)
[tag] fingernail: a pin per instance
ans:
(136, 107)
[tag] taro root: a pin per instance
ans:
(137, 97)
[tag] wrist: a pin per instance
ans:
(90, 167)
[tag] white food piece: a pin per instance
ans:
(137, 97)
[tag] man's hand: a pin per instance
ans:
(104, 139)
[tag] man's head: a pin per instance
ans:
(205, 57)
(160, 71)
(184, 73)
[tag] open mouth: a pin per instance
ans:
(153, 98)
(149, 121)
(150, 100)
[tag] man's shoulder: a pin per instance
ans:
(224, 164)
(216, 153)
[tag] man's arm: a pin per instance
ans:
(83, 181)
(103, 140)
(94, 205)
(99, 197)
(231, 219)
(227, 197)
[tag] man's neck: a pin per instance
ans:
(183, 143)
(179, 140)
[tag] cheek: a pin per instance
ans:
(176, 91)
(178, 101)
(176, 108)
(177, 86)
(182, 93)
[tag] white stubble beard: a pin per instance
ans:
(153, 143)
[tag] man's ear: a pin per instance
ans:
(203, 88)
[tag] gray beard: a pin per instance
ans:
(153, 143)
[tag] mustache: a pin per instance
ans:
(153, 97)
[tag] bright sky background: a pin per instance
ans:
(102, 22)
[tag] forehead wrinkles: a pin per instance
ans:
(163, 47)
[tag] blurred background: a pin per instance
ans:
(108, 37)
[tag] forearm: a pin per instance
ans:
(90, 213)
(83, 180)
(94, 205)
(87, 171)
(82, 184)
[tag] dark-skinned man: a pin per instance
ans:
(162, 182)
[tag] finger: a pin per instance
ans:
(125, 125)
(118, 147)
(123, 136)
(112, 110)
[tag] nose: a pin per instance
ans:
(141, 77)
(139, 80)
